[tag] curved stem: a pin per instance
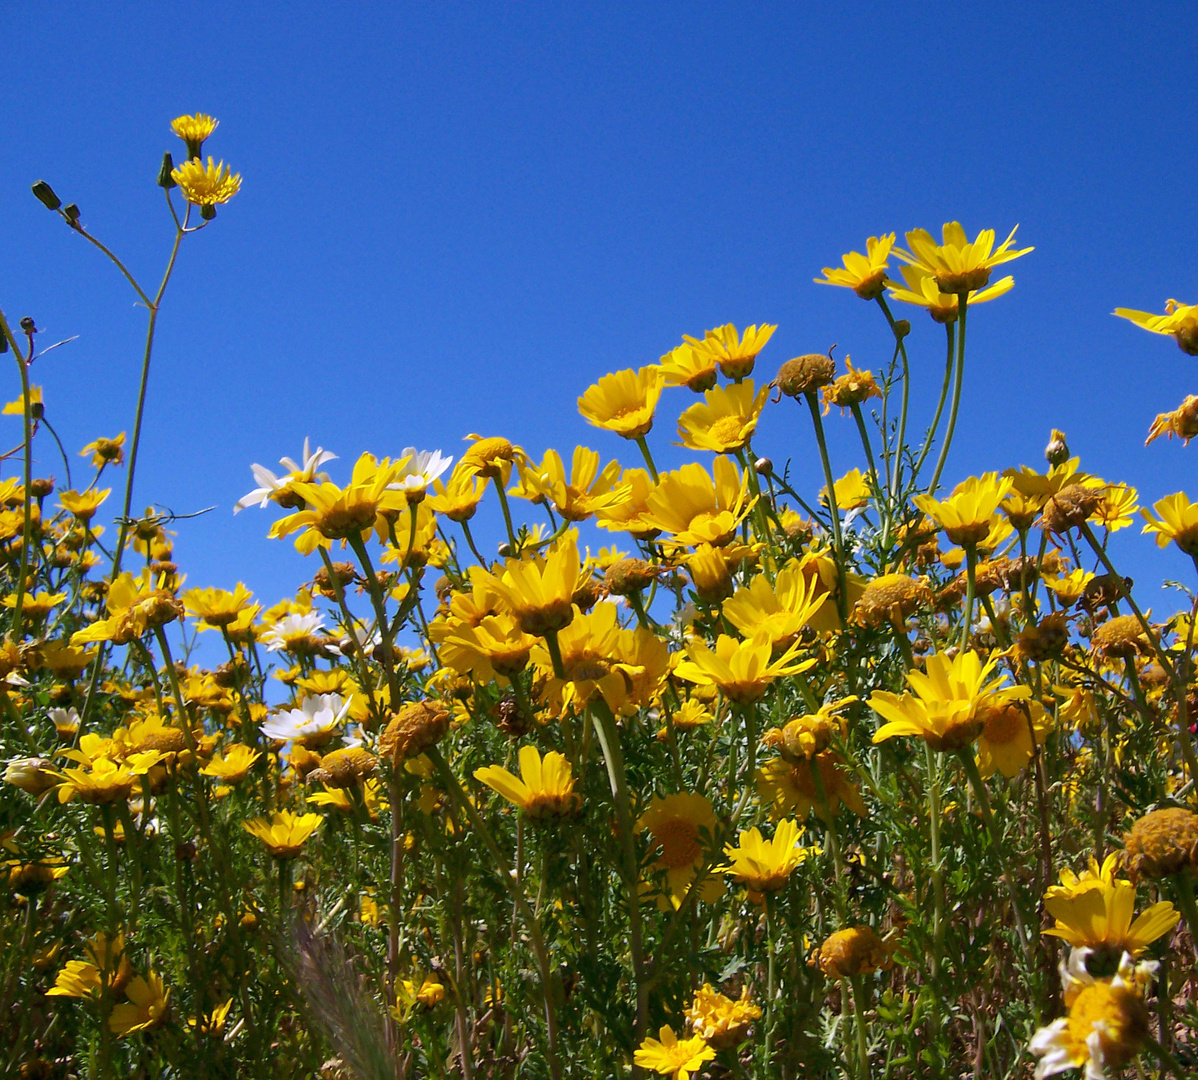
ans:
(27, 527)
(962, 304)
(613, 757)
(902, 429)
(837, 539)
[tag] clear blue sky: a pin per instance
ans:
(455, 217)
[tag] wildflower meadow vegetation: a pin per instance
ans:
(701, 775)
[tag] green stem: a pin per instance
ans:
(837, 539)
(902, 430)
(613, 757)
(938, 899)
(858, 984)
(948, 375)
(463, 805)
(27, 527)
(971, 567)
(983, 798)
(962, 304)
(1178, 684)
(640, 441)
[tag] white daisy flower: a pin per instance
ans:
(315, 721)
(269, 484)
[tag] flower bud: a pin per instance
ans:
(45, 195)
(764, 466)
(1057, 450)
(71, 210)
(902, 327)
(165, 180)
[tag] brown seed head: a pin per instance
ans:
(413, 729)
(1122, 636)
(891, 598)
(630, 575)
(855, 951)
(344, 768)
(1070, 507)
(1161, 843)
(805, 374)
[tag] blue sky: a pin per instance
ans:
(455, 217)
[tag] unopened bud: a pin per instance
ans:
(1057, 450)
(207, 211)
(71, 210)
(165, 180)
(28, 325)
(902, 327)
(41, 486)
(764, 466)
(505, 549)
(45, 195)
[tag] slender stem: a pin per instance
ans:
(1178, 684)
(948, 375)
(962, 304)
(837, 539)
(902, 429)
(613, 757)
(933, 765)
(869, 454)
(971, 567)
(640, 441)
(983, 798)
(507, 514)
(27, 527)
(458, 797)
(858, 984)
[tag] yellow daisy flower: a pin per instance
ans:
(698, 507)
(735, 353)
(765, 865)
(1178, 522)
(671, 1056)
(145, 1008)
(686, 365)
(743, 670)
(966, 515)
(545, 788)
(726, 420)
(958, 265)
(722, 1021)
(1094, 910)
(285, 833)
(206, 185)
(780, 610)
(864, 274)
(624, 402)
(1182, 422)
(923, 291)
(1180, 322)
(105, 451)
(943, 710)
(576, 496)
(678, 825)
